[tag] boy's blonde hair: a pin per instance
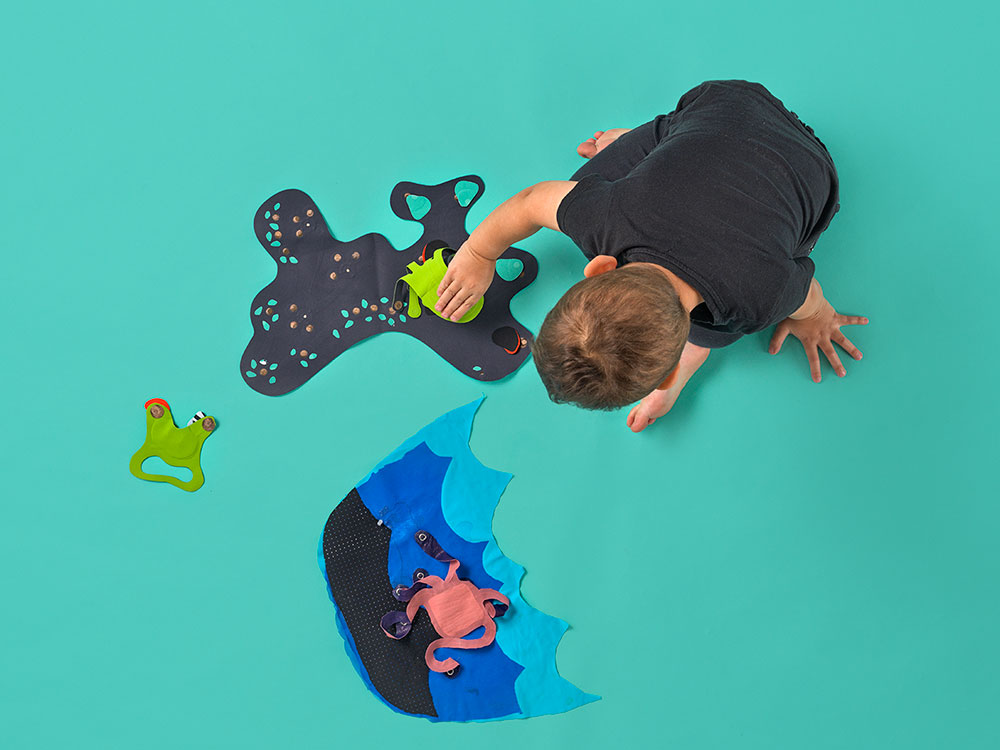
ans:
(611, 339)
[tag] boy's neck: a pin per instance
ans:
(689, 296)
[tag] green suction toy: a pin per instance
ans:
(423, 280)
(177, 446)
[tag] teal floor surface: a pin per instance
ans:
(776, 564)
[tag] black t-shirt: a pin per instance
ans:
(729, 191)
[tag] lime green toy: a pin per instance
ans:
(423, 280)
(177, 446)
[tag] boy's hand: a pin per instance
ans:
(819, 332)
(469, 276)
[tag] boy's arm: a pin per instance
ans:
(471, 270)
(817, 325)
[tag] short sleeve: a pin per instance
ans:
(795, 291)
(583, 215)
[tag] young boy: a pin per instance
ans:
(698, 226)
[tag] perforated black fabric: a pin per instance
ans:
(356, 550)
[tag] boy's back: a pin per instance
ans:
(729, 191)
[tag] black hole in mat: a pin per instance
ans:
(507, 339)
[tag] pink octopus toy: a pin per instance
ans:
(456, 607)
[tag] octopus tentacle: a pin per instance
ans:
(419, 600)
(485, 595)
(448, 664)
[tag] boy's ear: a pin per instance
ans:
(671, 379)
(600, 264)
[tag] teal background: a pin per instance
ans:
(775, 564)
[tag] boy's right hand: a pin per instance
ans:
(468, 277)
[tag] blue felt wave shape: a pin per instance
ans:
(433, 481)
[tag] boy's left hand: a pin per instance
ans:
(819, 332)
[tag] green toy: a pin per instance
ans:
(177, 446)
(423, 280)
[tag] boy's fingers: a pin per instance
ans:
(812, 354)
(852, 320)
(445, 282)
(831, 354)
(456, 302)
(780, 334)
(464, 307)
(445, 298)
(846, 345)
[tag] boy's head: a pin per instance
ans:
(613, 338)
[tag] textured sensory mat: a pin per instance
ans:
(328, 295)
(429, 607)
(177, 446)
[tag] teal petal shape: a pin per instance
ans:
(251, 374)
(284, 259)
(419, 206)
(272, 302)
(392, 322)
(273, 226)
(312, 356)
(465, 192)
(268, 235)
(259, 310)
(384, 300)
(275, 243)
(336, 333)
(277, 206)
(273, 366)
(267, 214)
(348, 324)
(272, 380)
(265, 325)
(509, 269)
(274, 317)
(292, 259)
(253, 364)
